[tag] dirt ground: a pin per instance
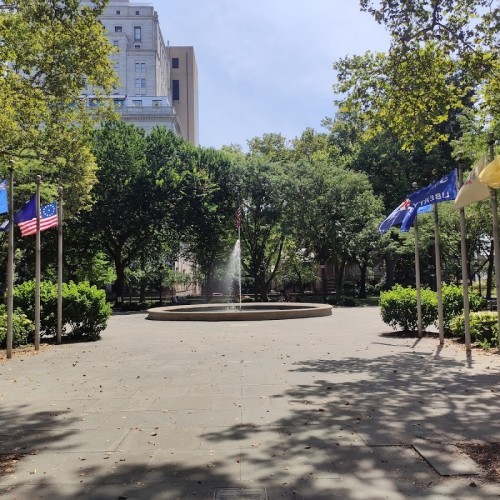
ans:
(487, 455)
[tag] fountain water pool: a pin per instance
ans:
(250, 311)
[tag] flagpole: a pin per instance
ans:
(417, 275)
(417, 278)
(496, 239)
(59, 265)
(239, 263)
(37, 266)
(10, 264)
(438, 275)
(465, 274)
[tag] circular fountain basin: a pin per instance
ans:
(250, 311)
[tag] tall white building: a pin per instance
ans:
(143, 63)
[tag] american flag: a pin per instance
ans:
(48, 219)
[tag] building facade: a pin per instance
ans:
(148, 78)
(184, 78)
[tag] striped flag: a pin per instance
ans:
(48, 219)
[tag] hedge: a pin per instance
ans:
(398, 308)
(85, 310)
(483, 328)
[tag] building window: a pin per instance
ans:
(140, 68)
(116, 43)
(140, 86)
(137, 13)
(137, 34)
(156, 104)
(175, 90)
(117, 12)
(137, 103)
(137, 46)
(118, 29)
(175, 62)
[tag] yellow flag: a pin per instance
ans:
(491, 174)
(473, 190)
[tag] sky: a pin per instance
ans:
(266, 65)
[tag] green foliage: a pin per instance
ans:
(443, 59)
(24, 299)
(260, 184)
(483, 328)
(453, 304)
(136, 193)
(332, 213)
(398, 308)
(342, 301)
(97, 270)
(85, 309)
(22, 328)
(49, 52)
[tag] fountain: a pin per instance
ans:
(239, 312)
(232, 281)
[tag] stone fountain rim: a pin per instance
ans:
(266, 311)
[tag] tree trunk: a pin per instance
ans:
(208, 285)
(390, 266)
(142, 285)
(339, 277)
(324, 281)
(261, 288)
(362, 284)
(120, 281)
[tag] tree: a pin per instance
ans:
(134, 196)
(49, 52)
(274, 147)
(329, 209)
(443, 59)
(210, 216)
(297, 268)
(260, 185)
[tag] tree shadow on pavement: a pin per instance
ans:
(347, 434)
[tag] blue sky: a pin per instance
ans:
(266, 65)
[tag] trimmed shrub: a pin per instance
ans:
(85, 308)
(22, 329)
(398, 308)
(341, 300)
(24, 299)
(453, 304)
(483, 328)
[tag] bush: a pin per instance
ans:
(85, 308)
(22, 329)
(453, 304)
(24, 299)
(398, 308)
(341, 300)
(483, 328)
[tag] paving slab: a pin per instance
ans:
(320, 408)
(447, 459)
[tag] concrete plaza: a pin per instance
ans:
(322, 408)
